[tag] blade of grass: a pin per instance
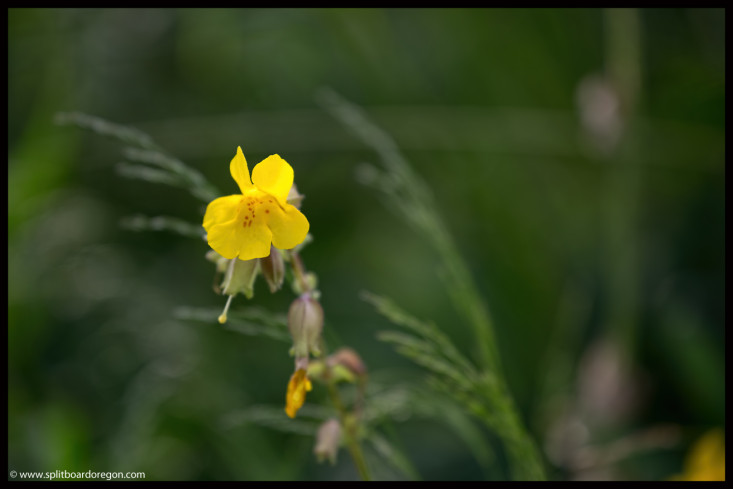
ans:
(409, 193)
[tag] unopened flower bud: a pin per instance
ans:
(273, 268)
(328, 440)
(348, 358)
(305, 321)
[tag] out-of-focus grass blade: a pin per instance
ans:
(250, 321)
(140, 222)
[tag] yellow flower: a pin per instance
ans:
(297, 387)
(245, 225)
(706, 459)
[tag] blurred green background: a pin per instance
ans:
(577, 157)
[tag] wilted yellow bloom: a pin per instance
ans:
(706, 459)
(245, 225)
(297, 387)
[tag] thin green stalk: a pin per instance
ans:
(299, 272)
(349, 421)
(350, 427)
(623, 184)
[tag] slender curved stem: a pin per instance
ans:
(349, 421)
(350, 436)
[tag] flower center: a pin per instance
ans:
(255, 206)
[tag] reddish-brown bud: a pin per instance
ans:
(348, 358)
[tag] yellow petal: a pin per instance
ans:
(232, 239)
(275, 176)
(707, 458)
(224, 240)
(289, 227)
(254, 241)
(231, 231)
(219, 221)
(297, 387)
(221, 210)
(240, 172)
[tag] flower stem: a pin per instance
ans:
(349, 425)
(299, 271)
(349, 421)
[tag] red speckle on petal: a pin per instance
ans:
(267, 211)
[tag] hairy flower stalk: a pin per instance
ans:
(349, 421)
(258, 231)
(305, 322)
